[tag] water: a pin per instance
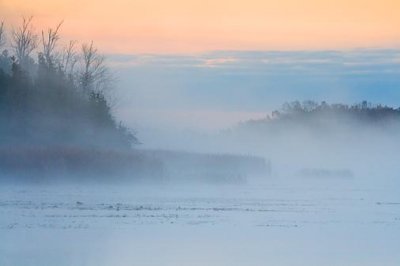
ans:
(312, 223)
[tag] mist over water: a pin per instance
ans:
(198, 102)
(202, 160)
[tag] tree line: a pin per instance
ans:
(363, 111)
(309, 113)
(55, 95)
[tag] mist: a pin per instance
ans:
(207, 102)
(218, 158)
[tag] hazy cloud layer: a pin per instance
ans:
(249, 82)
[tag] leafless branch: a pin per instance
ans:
(24, 40)
(2, 34)
(49, 43)
(69, 59)
(94, 74)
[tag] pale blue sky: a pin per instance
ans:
(215, 90)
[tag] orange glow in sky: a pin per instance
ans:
(186, 26)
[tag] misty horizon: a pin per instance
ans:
(199, 133)
(225, 88)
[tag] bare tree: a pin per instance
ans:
(49, 42)
(24, 40)
(94, 74)
(69, 58)
(2, 34)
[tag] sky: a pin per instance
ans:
(217, 89)
(199, 64)
(189, 26)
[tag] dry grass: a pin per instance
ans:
(44, 164)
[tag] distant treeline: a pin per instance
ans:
(214, 168)
(310, 113)
(52, 164)
(51, 95)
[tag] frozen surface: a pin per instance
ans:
(335, 222)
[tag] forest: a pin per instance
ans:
(314, 116)
(59, 97)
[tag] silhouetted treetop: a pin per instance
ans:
(57, 99)
(363, 110)
(312, 115)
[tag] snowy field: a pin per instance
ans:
(330, 222)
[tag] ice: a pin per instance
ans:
(331, 223)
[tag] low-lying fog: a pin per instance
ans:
(197, 102)
(219, 178)
(329, 147)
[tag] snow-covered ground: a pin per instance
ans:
(330, 222)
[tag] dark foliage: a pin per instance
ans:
(314, 114)
(51, 108)
(364, 111)
(55, 164)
